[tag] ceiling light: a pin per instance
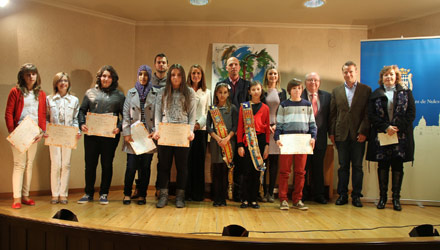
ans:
(199, 2)
(314, 3)
(3, 3)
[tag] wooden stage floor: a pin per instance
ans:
(201, 218)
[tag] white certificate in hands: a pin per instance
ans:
(141, 144)
(294, 144)
(385, 139)
(174, 134)
(61, 136)
(101, 124)
(24, 134)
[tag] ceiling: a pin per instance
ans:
(336, 12)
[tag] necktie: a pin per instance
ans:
(314, 103)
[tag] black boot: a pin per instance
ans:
(180, 198)
(383, 175)
(397, 177)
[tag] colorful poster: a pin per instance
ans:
(254, 60)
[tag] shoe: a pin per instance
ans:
(86, 198)
(142, 201)
(396, 205)
(28, 202)
(64, 202)
(284, 205)
(342, 200)
(103, 200)
(320, 199)
(126, 200)
(255, 205)
(216, 204)
(265, 198)
(180, 198)
(356, 201)
(16, 205)
(163, 198)
(300, 205)
(244, 204)
(223, 203)
(270, 198)
(382, 202)
(54, 200)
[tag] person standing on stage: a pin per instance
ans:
(349, 128)
(391, 110)
(315, 163)
(104, 98)
(195, 188)
(238, 94)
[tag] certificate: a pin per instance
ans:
(24, 134)
(174, 134)
(61, 136)
(141, 144)
(101, 124)
(296, 144)
(385, 139)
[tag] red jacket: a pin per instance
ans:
(15, 105)
(262, 123)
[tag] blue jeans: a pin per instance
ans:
(350, 151)
(141, 163)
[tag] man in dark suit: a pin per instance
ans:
(238, 93)
(349, 127)
(315, 163)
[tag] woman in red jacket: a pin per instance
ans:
(26, 99)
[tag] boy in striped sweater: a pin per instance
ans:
(294, 116)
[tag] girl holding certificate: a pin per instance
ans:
(253, 133)
(195, 188)
(391, 110)
(104, 98)
(175, 104)
(26, 99)
(294, 116)
(221, 124)
(135, 111)
(62, 109)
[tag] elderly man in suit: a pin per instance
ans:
(349, 127)
(315, 163)
(238, 93)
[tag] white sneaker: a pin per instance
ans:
(300, 205)
(284, 205)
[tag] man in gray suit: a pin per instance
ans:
(315, 163)
(349, 128)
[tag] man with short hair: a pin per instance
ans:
(238, 93)
(159, 77)
(320, 101)
(349, 127)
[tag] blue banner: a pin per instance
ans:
(419, 61)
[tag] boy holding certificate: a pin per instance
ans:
(294, 116)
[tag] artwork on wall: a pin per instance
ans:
(254, 60)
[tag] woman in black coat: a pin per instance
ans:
(391, 110)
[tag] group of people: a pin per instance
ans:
(244, 120)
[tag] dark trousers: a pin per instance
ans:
(95, 146)
(219, 182)
(141, 163)
(272, 171)
(315, 173)
(350, 151)
(166, 155)
(195, 187)
(251, 177)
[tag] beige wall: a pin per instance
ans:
(62, 40)
(423, 26)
